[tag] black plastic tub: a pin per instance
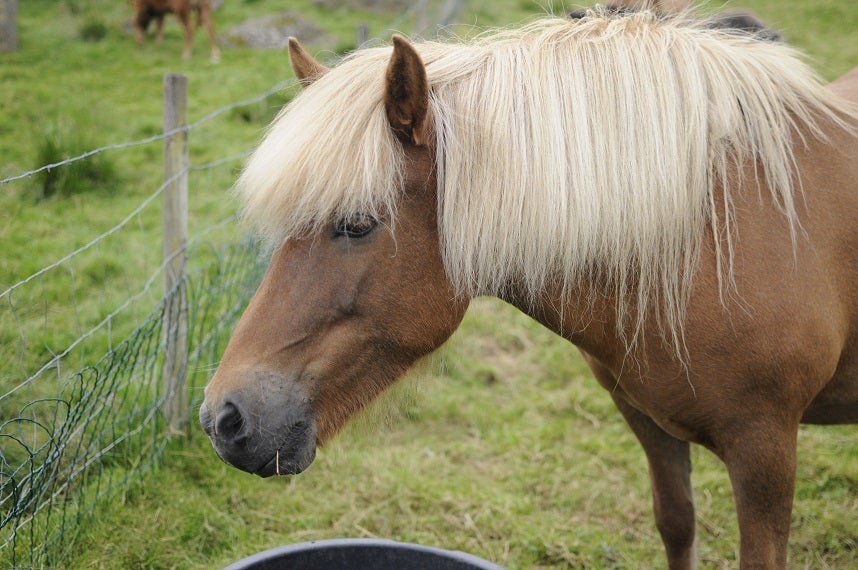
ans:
(361, 554)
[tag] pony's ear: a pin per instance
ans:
(306, 68)
(406, 93)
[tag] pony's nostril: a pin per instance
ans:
(229, 423)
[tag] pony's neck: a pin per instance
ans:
(587, 320)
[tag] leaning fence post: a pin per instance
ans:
(362, 35)
(450, 12)
(421, 22)
(175, 216)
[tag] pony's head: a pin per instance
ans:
(346, 306)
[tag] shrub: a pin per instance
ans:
(93, 30)
(93, 173)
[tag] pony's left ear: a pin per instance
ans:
(406, 93)
(305, 67)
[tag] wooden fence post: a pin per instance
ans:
(362, 35)
(421, 23)
(175, 215)
(451, 11)
(8, 25)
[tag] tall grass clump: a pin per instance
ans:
(96, 172)
(93, 30)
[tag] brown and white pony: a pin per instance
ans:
(679, 202)
(147, 10)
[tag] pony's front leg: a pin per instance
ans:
(761, 461)
(670, 476)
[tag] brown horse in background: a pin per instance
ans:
(694, 232)
(148, 10)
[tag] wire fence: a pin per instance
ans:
(63, 454)
(83, 405)
(279, 88)
(82, 352)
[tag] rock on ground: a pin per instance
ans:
(273, 31)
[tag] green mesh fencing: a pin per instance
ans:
(70, 441)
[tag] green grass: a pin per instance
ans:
(96, 173)
(504, 446)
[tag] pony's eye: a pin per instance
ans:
(355, 226)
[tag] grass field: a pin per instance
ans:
(502, 445)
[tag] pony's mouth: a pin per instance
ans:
(294, 455)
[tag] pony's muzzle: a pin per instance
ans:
(280, 440)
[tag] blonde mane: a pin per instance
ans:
(566, 151)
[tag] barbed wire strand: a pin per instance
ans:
(134, 214)
(155, 138)
(222, 161)
(101, 237)
(56, 358)
(107, 321)
(206, 118)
